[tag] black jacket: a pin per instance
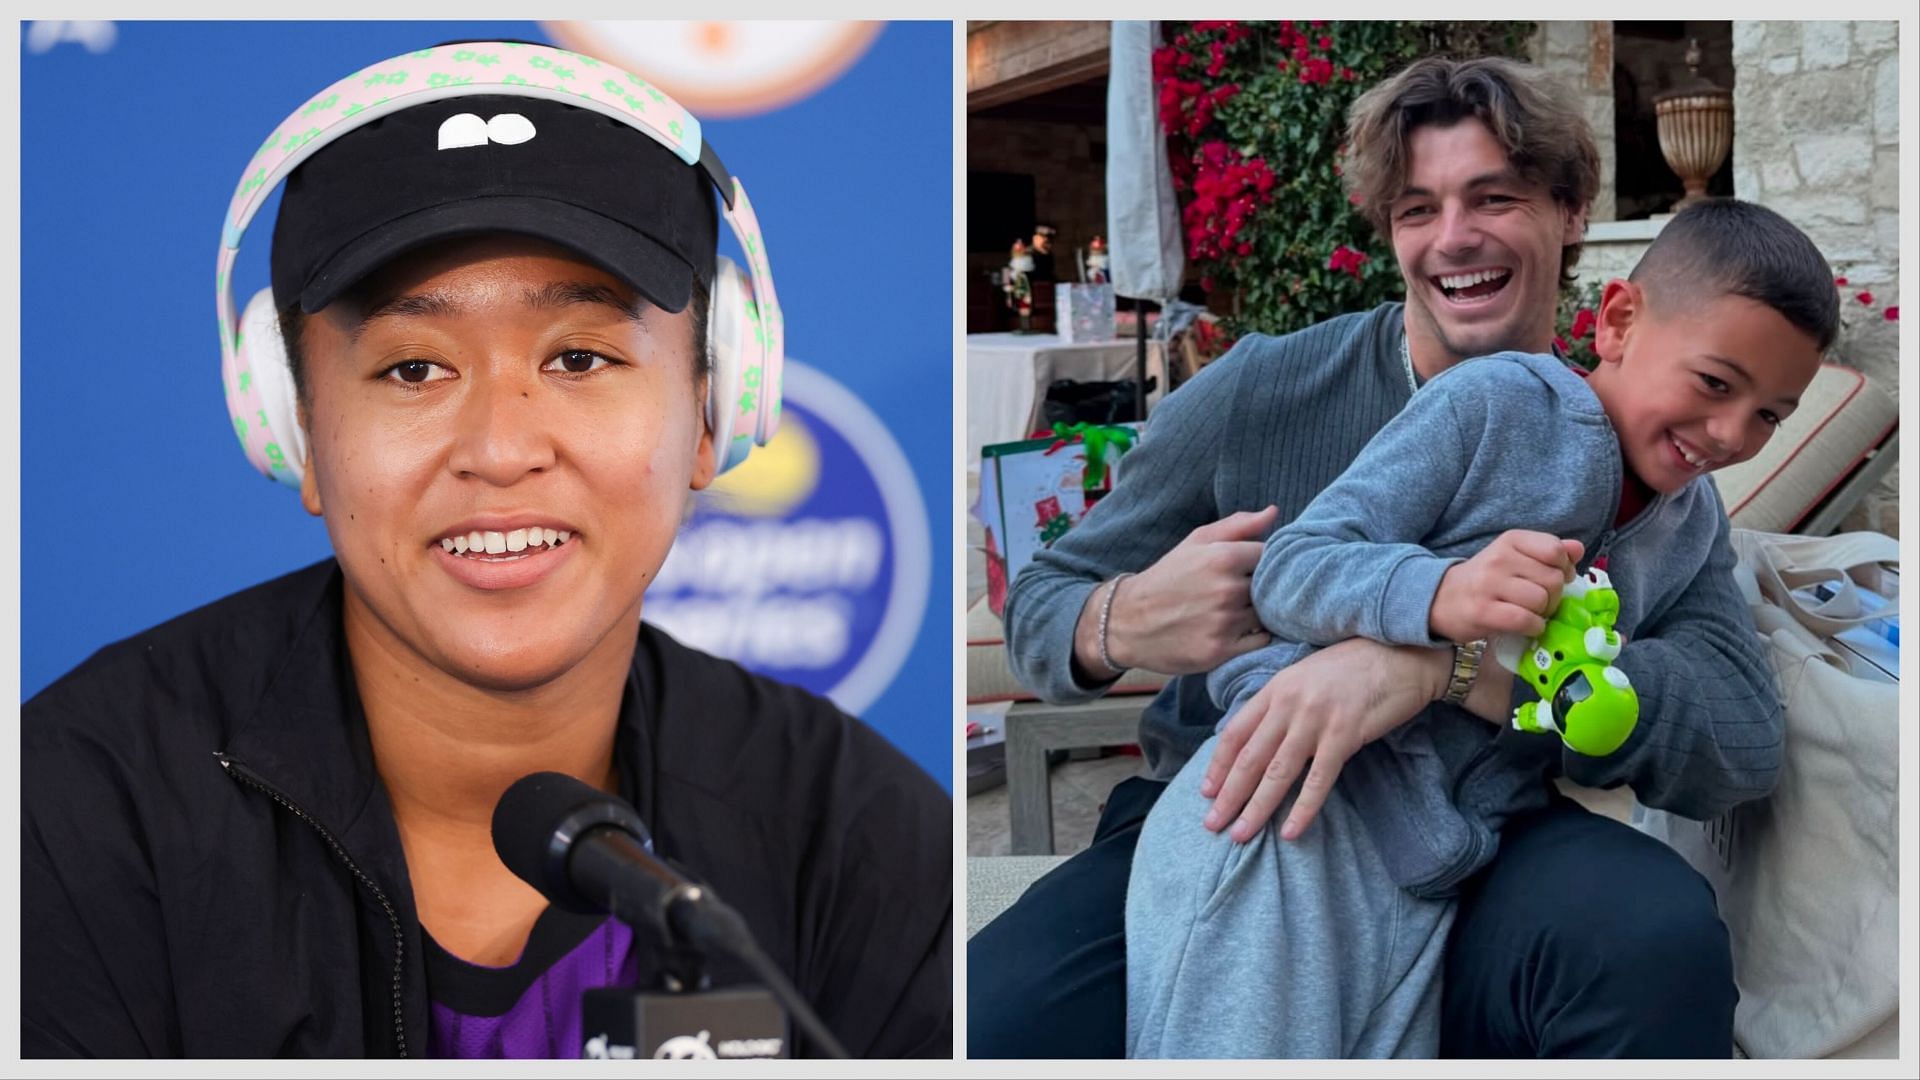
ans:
(210, 866)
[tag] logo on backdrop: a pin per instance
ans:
(94, 36)
(810, 562)
(725, 68)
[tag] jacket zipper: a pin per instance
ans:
(247, 776)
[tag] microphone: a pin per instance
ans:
(587, 851)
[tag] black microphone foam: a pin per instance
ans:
(536, 822)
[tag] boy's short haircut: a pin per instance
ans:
(1536, 120)
(1728, 247)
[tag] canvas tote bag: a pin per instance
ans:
(1808, 879)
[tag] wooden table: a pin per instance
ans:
(1034, 728)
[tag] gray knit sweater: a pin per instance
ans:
(1276, 421)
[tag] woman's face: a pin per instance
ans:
(502, 398)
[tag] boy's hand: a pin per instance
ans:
(1509, 588)
(1322, 709)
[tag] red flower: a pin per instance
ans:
(1893, 313)
(1325, 43)
(1227, 190)
(1347, 260)
(1839, 281)
(1583, 323)
(1347, 74)
(1864, 298)
(1561, 344)
(1217, 62)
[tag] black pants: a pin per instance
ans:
(1584, 938)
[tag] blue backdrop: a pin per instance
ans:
(141, 503)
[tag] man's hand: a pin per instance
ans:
(1322, 709)
(1510, 587)
(1187, 613)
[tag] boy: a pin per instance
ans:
(1459, 521)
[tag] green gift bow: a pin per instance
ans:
(1096, 437)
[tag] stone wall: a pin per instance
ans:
(1613, 248)
(1816, 113)
(1580, 54)
(1009, 60)
(1068, 163)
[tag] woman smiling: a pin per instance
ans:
(485, 361)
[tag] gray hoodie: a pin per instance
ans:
(1510, 441)
(1279, 419)
(1308, 942)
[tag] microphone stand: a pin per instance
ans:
(695, 921)
(591, 852)
(721, 924)
(683, 970)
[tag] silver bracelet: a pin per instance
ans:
(1106, 608)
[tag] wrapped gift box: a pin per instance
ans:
(1035, 490)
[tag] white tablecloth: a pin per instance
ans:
(1008, 376)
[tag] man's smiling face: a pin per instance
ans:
(1478, 245)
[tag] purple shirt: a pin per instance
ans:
(531, 1008)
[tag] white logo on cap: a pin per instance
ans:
(466, 129)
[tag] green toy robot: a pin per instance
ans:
(1583, 697)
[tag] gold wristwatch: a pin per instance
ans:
(1466, 668)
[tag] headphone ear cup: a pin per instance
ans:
(732, 394)
(261, 397)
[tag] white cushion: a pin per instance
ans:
(1842, 416)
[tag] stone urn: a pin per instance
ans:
(1696, 129)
